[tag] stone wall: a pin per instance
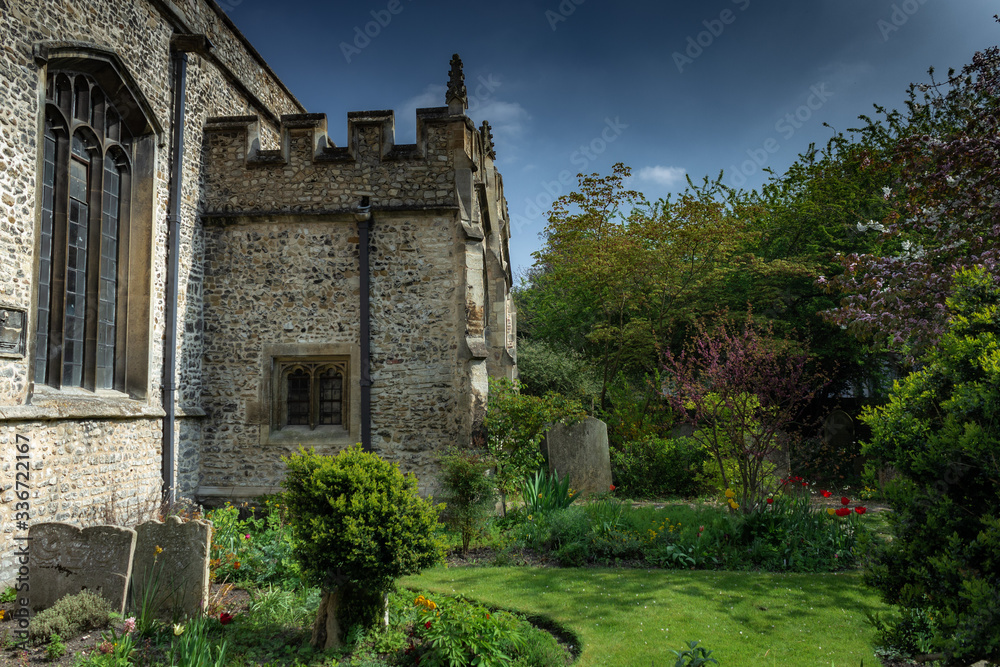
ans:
(85, 472)
(90, 450)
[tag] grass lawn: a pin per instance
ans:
(627, 617)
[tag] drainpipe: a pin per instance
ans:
(363, 215)
(173, 268)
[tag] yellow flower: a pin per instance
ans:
(178, 629)
(831, 511)
(159, 549)
(3, 614)
(730, 493)
(539, 495)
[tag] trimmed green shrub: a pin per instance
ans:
(941, 432)
(357, 525)
(71, 616)
(470, 496)
(658, 468)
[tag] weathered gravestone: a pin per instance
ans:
(65, 560)
(580, 450)
(171, 565)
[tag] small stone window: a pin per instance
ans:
(311, 393)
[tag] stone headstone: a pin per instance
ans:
(171, 565)
(580, 450)
(838, 430)
(65, 560)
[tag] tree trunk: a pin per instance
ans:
(326, 629)
(327, 632)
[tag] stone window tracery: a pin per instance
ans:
(85, 205)
(311, 393)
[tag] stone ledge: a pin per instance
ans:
(71, 404)
(236, 491)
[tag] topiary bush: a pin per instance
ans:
(358, 525)
(941, 432)
(71, 616)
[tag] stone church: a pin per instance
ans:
(195, 281)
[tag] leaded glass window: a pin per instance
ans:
(85, 190)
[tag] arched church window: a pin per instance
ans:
(86, 186)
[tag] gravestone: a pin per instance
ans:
(580, 450)
(838, 430)
(65, 560)
(171, 564)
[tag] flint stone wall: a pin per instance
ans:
(91, 452)
(65, 560)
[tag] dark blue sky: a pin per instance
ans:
(668, 88)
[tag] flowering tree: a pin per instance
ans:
(945, 207)
(742, 390)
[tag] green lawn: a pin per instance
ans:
(630, 617)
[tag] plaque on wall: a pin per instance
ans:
(13, 323)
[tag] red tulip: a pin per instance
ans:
(843, 511)
(826, 494)
(225, 618)
(613, 487)
(845, 501)
(860, 510)
(427, 625)
(770, 500)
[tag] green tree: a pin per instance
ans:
(616, 273)
(941, 431)
(358, 525)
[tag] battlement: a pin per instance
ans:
(309, 173)
(371, 137)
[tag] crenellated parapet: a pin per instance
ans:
(308, 173)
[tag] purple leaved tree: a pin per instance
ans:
(743, 391)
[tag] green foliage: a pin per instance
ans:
(9, 595)
(358, 522)
(515, 425)
(694, 656)
(546, 367)
(469, 492)
(254, 550)
(789, 535)
(637, 410)
(459, 632)
(941, 431)
(70, 616)
(658, 468)
(543, 492)
(193, 648)
(56, 648)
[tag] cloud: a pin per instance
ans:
(660, 175)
